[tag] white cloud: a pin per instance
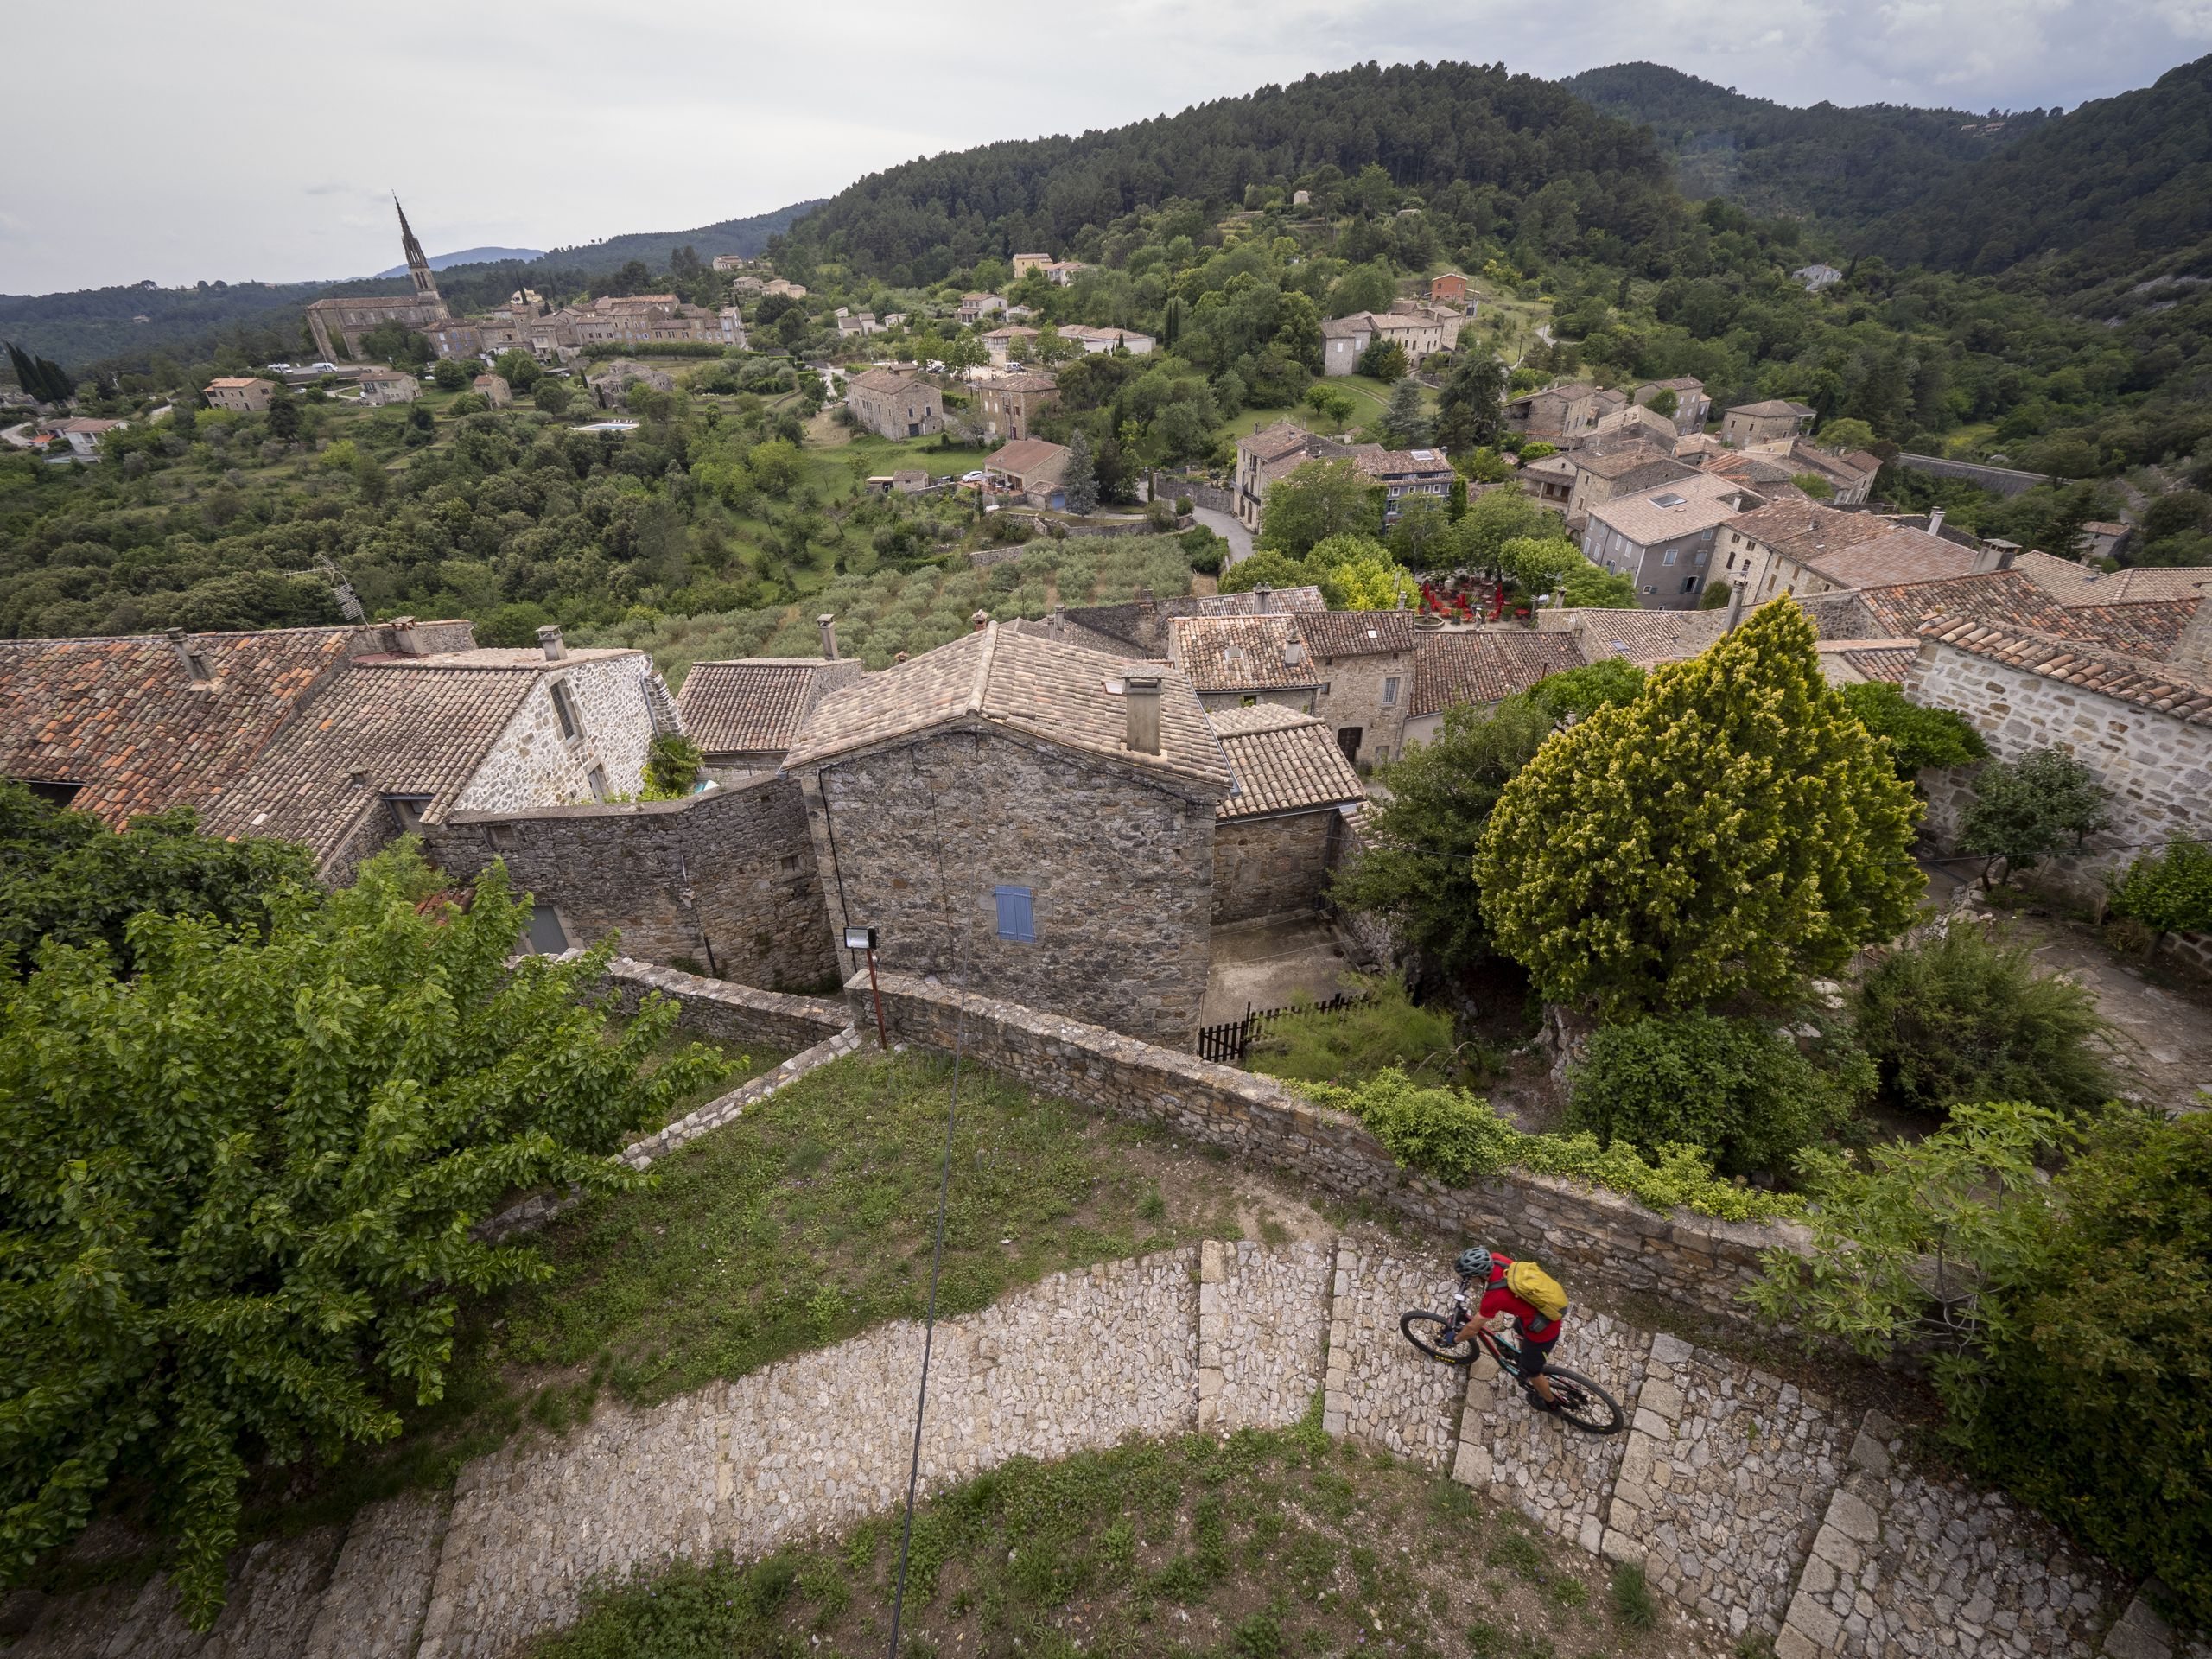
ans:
(571, 122)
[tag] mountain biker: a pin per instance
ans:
(1534, 1333)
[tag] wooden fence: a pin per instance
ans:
(1229, 1042)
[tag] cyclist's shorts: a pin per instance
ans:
(1535, 1354)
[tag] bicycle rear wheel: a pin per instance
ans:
(1582, 1403)
(1425, 1332)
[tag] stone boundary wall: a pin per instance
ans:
(1694, 1260)
(2003, 481)
(735, 1014)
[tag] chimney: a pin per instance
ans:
(194, 664)
(548, 641)
(1140, 692)
(1293, 651)
(826, 625)
(1736, 590)
(980, 621)
(1263, 598)
(2192, 652)
(1935, 522)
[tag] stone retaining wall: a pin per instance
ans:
(1694, 1260)
(734, 1013)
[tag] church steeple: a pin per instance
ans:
(426, 285)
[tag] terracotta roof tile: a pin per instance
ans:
(1357, 633)
(1901, 556)
(2003, 596)
(1647, 638)
(1284, 762)
(1452, 667)
(1242, 653)
(756, 702)
(2080, 584)
(1887, 663)
(2073, 662)
(2143, 628)
(1680, 507)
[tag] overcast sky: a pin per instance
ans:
(226, 139)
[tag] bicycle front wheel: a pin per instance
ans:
(1582, 1404)
(1425, 1332)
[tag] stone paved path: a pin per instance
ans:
(1755, 1505)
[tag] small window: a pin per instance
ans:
(407, 811)
(1669, 559)
(546, 936)
(564, 705)
(597, 778)
(1689, 585)
(1017, 920)
(58, 794)
(790, 861)
(1389, 695)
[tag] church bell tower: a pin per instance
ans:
(426, 284)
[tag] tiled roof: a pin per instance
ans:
(1804, 530)
(1350, 327)
(1699, 502)
(885, 380)
(1392, 463)
(1284, 762)
(755, 703)
(1030, 458)
(1452, 667)
(1028, 382)
(2146, 627)
(1273, 443)
(995, 677)
(1241, 653)
(2002, 596)
(1357, 633)
(1648, 637)
(1882, 660)
(1621, 458)
(1901, 556)
(407, 729)
(120, 717)
(1143, 623)
(2080, 584)
(1759, 472)
(1773, 406)
(2073, 661)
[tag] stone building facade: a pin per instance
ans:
(895, 405)
(727, 880)
(1283, 829)
(982, 808)
(615, 703)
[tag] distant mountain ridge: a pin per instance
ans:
(466, 256)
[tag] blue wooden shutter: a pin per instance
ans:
(1016, 921)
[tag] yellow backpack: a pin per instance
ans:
(1537, 1288)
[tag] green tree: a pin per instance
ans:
(1575, 694)
(1814, 485)
(2170, 893)
(1663, 402)
(1496, 518)
(1847, 434)
(268, 1156)
(1384, 360)
(65, 876)
(551, 395)
(1423, 532)
(449, 375)
(1539, 565)
(1328, 403)
(1592, 589)
(1919, 737)
(672, 766)
(2023, 810)
(283, 418)
(1416, 868)
(1732, 830)
(1740, 1090)
(1319, 500)
(1965, 1017)
(1355, 573)
(1404, 424)
(1079, 482)
(1470, 406)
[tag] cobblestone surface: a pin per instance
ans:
(380, 1586)
(1553, 1474)
(1275, 1310)
(1725, 1504)
(1904, 1566)
(1380, 1387)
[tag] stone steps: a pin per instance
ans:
(1752, 1504)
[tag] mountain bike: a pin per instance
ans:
(1577, 1400)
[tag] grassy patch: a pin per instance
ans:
(1261, 1546)
(797, 1226)
(1346, 1044)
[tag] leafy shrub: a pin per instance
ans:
(672, 764)
(1577, 693)
(1456, 1137)
(1385, 1029)
(1967, 1017)
(2023, 810)
(2170, 893)
(1735, 1087)
(1918, 737)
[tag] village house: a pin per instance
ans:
(745, 714)
(1691, 404)
(1647, 638)
(1009, 405)
(1281, 830)
(1031, 468)
(1850, 477)
(1556, 415)
(1061, 272)
(784, 287)
(1418, 330)
(1603, 474)
(1014, 339)
(1448, 287)
(894, 404)
(1478, 667)
(1274, 452)
(974, 307)
(1803, 548)
(1632, 423)
(1350, 670)
(2071, 582)
(83, 433)
(857, 325)
(1550, 480)
(381, 386)
(1233, 661)
(1775, 419)
(1404, 474)
(1026, 262)
(494, 389)
(729, 262)
(923, 786)
(1094, 340)
(1343, 340)
(1139, 627)
(2104, 540)
(247, 394)
(1662, 540)
(462, 338)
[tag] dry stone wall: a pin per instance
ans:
(1380, 1387)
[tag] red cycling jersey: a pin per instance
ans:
(1498, 1300)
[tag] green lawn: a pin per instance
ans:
(1369, 399)
(1262, 1545)
(806, 1221)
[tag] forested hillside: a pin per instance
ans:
(1847, 166)
(1484, 145)
(743, 237)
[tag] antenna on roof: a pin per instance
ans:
(349, 603)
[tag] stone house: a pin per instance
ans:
(1448, 287)
(893, 404)
(1419, 330)
(1557, 414)
(974, 307)
(1817, 277)
(1633, 423)
(1803, 548)
(1024, 819)
(380, 386)
(613, 380)
(1480, 668)
(1009, 405)
(1850, 477)
(465, 337)
(1663, 539)
(1274, 452)
(1603, 472)
(1344, 341)
(1404, 474)
(2104, 540)
(1281, 830)
(247, 394)
(494, 389)
(83, 433)
(1775, 419)
(858, 326)
(1350, 670)
(784, 286)
(1062, 272)
(1094, 340)
(1644, 637)
(745, 714)
(1001, 343)
(1692, 405)
(1139, 627)
(1550, 480)
(1031, 468)
(1236, 661)
(1026, 262)
(2071, 582)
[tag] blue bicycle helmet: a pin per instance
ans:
(1474, 1263)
